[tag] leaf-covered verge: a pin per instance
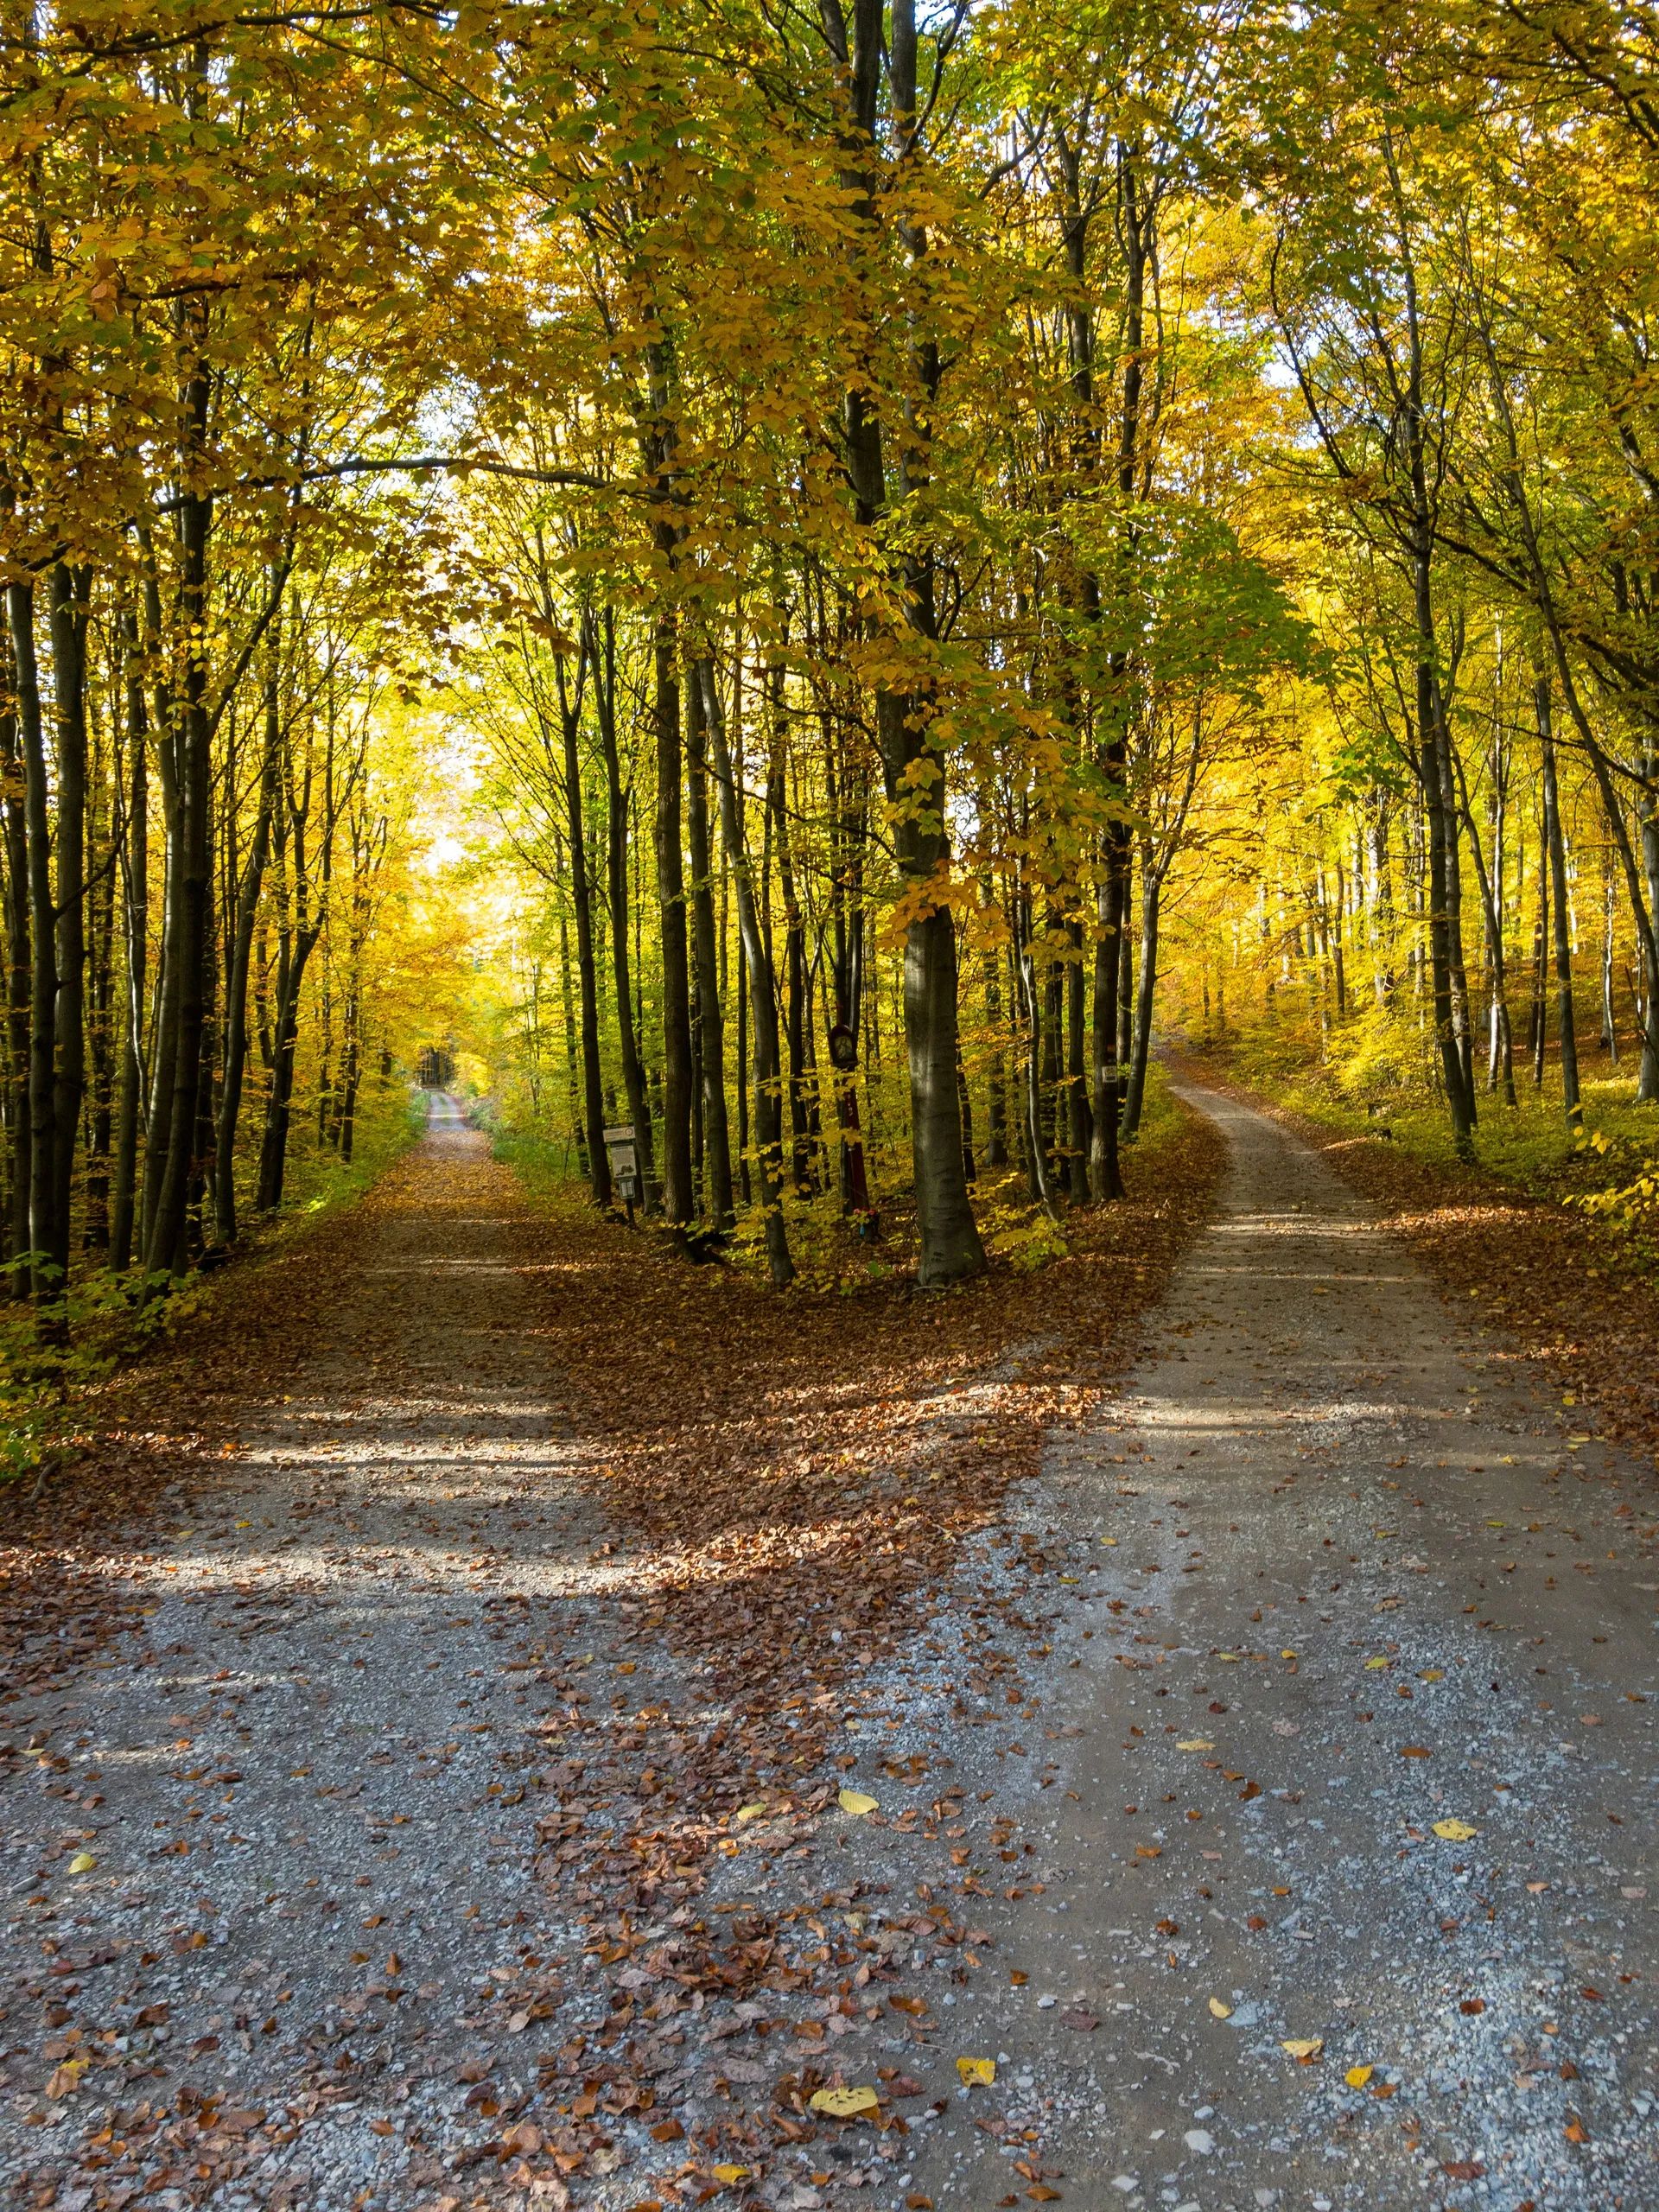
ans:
(1510, 1235)
(93, 1429)
(786, 1454)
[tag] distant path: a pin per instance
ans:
(1322, 1459)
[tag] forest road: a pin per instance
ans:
(1359, 1581)
(311, 1856)
(279, 1929)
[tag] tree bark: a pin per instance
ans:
(763, 992)
(43, 1239)
(717, 1145)
(1146, 984)
(19, 973)
(165, 1251)
(912, 771)
(249, 888)
(1572, 1105)
(602, 658)
(592, 1081)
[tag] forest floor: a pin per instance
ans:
(428, 1712)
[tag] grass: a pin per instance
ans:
(387, 1124)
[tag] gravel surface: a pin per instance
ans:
(1356, 1576)
(303, 1796)
(1173, 1749)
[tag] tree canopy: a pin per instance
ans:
(802, 583)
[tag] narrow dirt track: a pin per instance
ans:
(301, 1794)
(332, 1953)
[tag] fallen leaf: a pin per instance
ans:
(1196, 1743)
(854, 1801)
(730, 2174)
(1357, 2076)
(1219, 2011)
(750, 1811)
(844, 2104)
(1304, 2048)
(981, 2071)
(1462, 2168)
(1455, 1831)
(82, 1863)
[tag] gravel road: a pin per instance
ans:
(304, 1795)
(1330, 1725)
(1357, 1745)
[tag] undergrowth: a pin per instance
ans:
(829, 1255)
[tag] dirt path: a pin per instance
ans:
(313, 1851)
(1359, 1580)
(424, 1875)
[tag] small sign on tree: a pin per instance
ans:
(624, 1155)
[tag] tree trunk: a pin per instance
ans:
(1036, 1135)
(996, 1109)
(1105, 1178)
(273, 1151)
(579, 1129)
(677, 1198)
(593, 1083)
(1539, 1032)
(43, 1240)
(912, 771)
(70, 590)
(717, 1145)
(794, 969)
(1571, 1105)
(235, 1057)
(19, 976)
(1146, 984)
(1647, 1085)
(101, 1023)
(763, 992)
(603, 661)
(165, 1251)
